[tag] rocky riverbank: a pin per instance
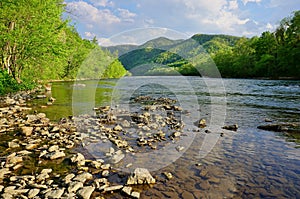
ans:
(37, 160)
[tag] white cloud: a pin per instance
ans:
(89, 14)
(248, 1)
(102, 3)
(89, 34)
(232, 5)
(126, 15)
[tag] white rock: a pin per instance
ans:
(53, 148)
(55, 193)
(68, 178)
(113, 188)
(3, 172)
(86, 192)
(127, 190)
(83, 177)
(79, 159)
(140, 176)
(27, 130)
(55, 155)
(33, 192)
(46, 171)
(74, 186)
(135, 194)
(13, 145)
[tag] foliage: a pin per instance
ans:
(37, 44)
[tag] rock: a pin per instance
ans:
(105, 166)
(14, 160)
(68, 178)
(26, 130)
(41, 96)
(202, 123)
(31, 118)
(125, 124)
(135, 194)
(41, 177)
(10, 189)
(41, 115)
(113, 188)
(7, 196)
(83, 177)
(176, 134)
(117, 157)
(55, 193)
(1, 188)
(96, 164)
(53, 148)
(179, 148)
(127, 190)
(55, 155)
(13, 145)
(140, 176)
(105, 173)
(31, 146)
(187, 195)
(18, 166)
(74, 186)
(268, 120)
(55, 129)
(33, 192)
(79, 159)
(118, 128)
(168, 175)
(281, 127)
(233, 127)
(86, 192)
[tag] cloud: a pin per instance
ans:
(253, 1)
(232, 5)
(89, 34)
(87, 13)
(102, 3)
(126, 15)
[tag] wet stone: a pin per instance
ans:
(187, 195)
(140, 176)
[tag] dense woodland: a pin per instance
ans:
(37, 43)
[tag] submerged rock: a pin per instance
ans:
(140, 176)
(233, 127)
(281, 127)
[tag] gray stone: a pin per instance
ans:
(83, 177)
(140, 176)
(135, 194)
(55, 155)
(53, 148)
(86, 192)
(127, 190)
(33, 192)
(74, 186)
(117, 157)
(13, 145)
(79, 159)
(57, 193)
(27, 130)
(68, 178)
(113, 188)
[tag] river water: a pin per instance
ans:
(247, 163)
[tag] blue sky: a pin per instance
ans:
(107, 18)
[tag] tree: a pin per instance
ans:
(32, 35)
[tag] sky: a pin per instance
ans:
(136, 21)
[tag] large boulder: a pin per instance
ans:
(140, 176)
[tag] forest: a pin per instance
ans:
(38, 44)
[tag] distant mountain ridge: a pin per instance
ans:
(164, 56)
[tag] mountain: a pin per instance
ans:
(163, 56)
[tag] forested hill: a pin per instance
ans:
(272, 54)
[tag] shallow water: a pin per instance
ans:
(249, 163)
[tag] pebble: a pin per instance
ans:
(113, 188)
(135, 194)
(127, 190)
(55, 155)
(83, 177)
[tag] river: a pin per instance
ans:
(247, 163)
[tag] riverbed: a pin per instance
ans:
(213, 163)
